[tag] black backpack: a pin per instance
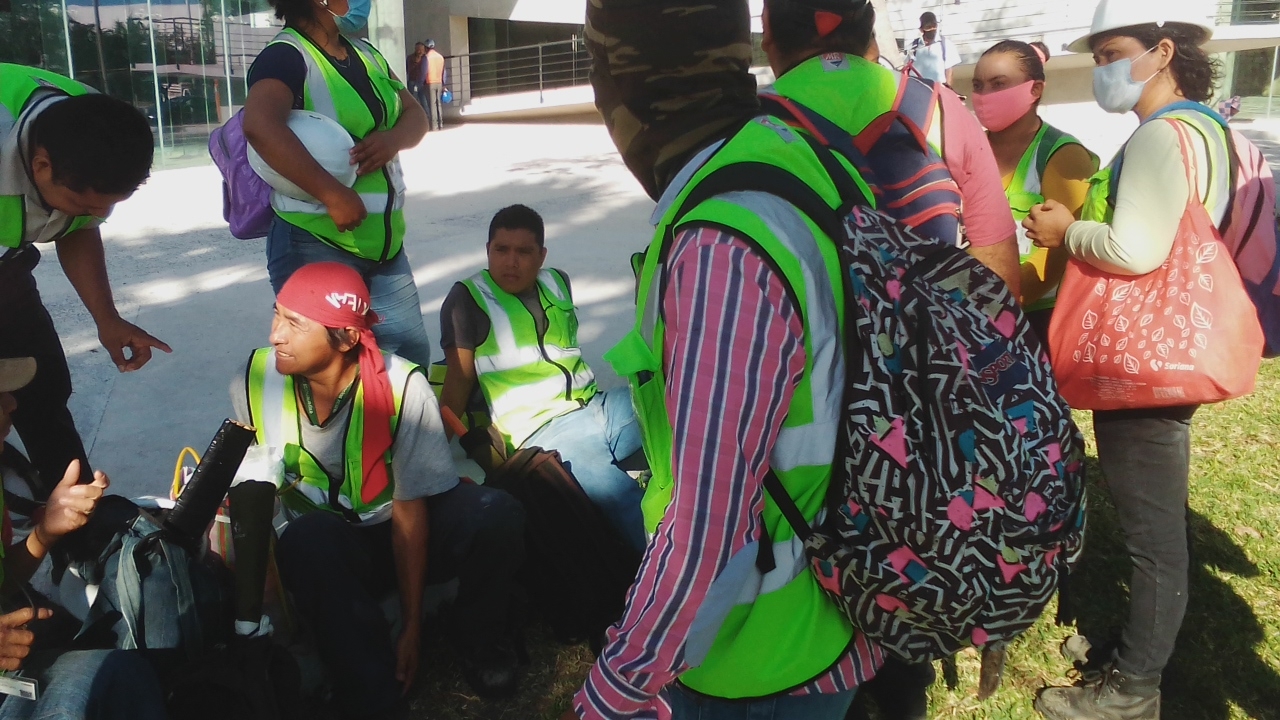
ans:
(578, 570)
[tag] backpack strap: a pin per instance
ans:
(771, 179)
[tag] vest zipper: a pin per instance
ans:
(391, 190)
(542, 348)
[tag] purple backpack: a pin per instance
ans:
(246, 198)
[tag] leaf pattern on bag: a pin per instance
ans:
(1200, 317)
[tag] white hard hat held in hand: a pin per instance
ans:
(1116, 14)
(325, 140)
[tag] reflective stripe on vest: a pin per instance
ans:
(325, 91)
(1099, 204)
(1025, 191)
(757, 634)
(529, 380)
(18, 84)
(273, 410)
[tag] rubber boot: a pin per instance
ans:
(1111, 696)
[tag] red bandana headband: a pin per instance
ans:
(335, 296)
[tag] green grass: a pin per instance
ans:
(1227, 664)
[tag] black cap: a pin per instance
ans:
(928, 20)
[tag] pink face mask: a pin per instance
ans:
(998, 110)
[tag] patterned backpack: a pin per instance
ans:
(957, 504)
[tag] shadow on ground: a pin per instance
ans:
(1216, 662)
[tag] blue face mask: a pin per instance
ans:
(1114, 87)
(356, 19)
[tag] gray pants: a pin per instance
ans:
(1146, 457)
(435, 108)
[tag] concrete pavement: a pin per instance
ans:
(180, 275)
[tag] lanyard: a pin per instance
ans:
(309, 400)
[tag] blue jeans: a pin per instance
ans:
(590, 441)
(97, 684)
(689, 705)
(392, 291)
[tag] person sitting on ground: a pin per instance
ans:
(513, 330)
(108, 684)
(374, 501)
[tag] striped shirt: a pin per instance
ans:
(734, 354)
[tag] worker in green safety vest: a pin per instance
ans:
(373, 499)
(735, 361)
(67, 156)
(77, 684)
(1037, 162)
(318, 64)
(512, 331)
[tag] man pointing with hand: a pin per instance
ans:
(67, 156)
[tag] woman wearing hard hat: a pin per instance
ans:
(327, 118)
(1149, 62)
(1037, 161)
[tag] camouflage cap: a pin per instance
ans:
(670, 77)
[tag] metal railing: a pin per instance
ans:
(527, 68)
(1248, 12)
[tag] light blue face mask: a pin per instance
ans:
(1114, 87)
(356, 19)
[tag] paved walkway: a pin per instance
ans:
(179, 274)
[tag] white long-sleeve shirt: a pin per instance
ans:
(1150, 201)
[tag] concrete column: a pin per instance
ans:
(459, 45)
(386, 32)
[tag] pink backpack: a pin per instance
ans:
(246, 198)
(1250, 228)
(1250, 232)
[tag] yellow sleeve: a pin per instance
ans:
(1066, 177)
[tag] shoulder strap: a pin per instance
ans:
(1051, 141)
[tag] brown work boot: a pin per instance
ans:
(1110, 696)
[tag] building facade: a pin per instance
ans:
(184, 62)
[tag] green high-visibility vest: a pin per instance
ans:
(18, 214)
(529, 379)
(1025, 192)
(773, 632)
(1100, 205)
(273, 411)
(325, 91)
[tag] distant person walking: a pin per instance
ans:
(931, 54)
(436, 76)
(1037, 162)
(416, 64)
(314, 65)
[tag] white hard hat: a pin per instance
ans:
(1116, 14)
(325, 140)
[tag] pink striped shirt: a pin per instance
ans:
(734, 354)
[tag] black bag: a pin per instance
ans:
(578, 569)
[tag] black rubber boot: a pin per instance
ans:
(1109, 696)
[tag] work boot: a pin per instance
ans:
(1110, 696)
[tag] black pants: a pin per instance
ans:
(42, 419)
(1146, 458)
(338, 573)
